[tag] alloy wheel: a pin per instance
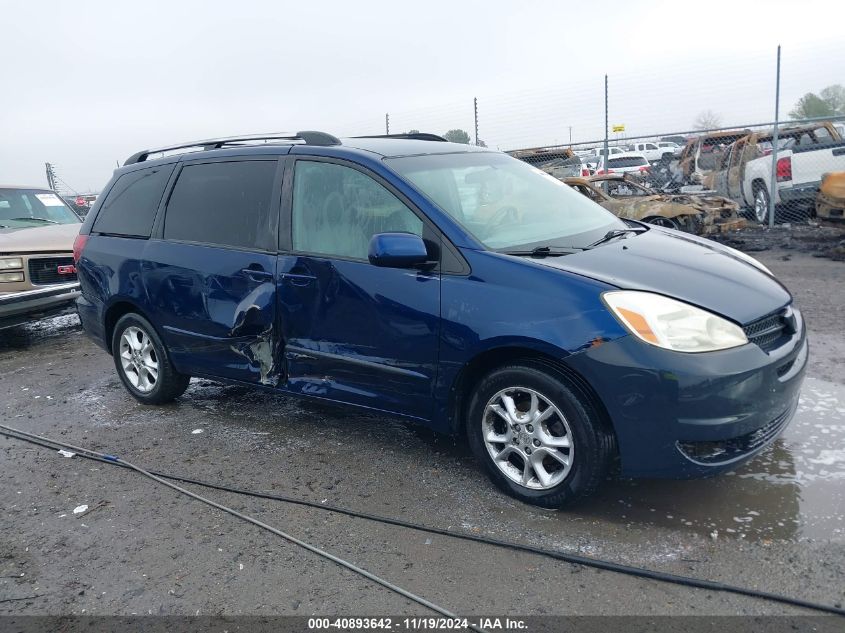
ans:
(138, 359)
(528, 438)
(761, 206)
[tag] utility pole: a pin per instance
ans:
(51, 176)
(386, 123)
(774, 183)
(606, 143)
(475, 110)
(570, 136)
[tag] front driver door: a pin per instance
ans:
(353, 331)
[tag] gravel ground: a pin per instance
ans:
(776, 524)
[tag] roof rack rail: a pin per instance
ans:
(309, 137)
(415, 136)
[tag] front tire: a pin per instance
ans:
(540, 440)
(142, 363)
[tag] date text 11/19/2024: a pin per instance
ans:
(417, 624)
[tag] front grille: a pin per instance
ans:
(767, 331)
(45, 270)
(727, 450)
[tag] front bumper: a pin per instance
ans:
(692, 415)
(24, 307)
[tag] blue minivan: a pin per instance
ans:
(451, 285)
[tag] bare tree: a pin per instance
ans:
(707, 120)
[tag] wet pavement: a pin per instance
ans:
(777, 522)
(793, 490)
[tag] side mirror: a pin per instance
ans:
(397, 250)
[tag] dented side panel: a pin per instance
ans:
(360, 333)
(216, 308)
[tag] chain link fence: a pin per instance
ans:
(647, 144)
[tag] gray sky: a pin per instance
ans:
(89, 83)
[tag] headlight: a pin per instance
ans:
(749, 259)
(10, 263)
(672, 324)
(10, 277)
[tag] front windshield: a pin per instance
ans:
(506, 203)
(33, 207)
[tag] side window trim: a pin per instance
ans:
(275, 199)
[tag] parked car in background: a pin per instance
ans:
(627, 198)
(589, 165)
(670, 149)
(37, 271)
(805, 154)
(558, 162)
(703, 155)
(830, 201)
(449, 284)
(652, 151)
(80, 203)
(599, 151)
(680, 141)
(564, 167)
(625, 163)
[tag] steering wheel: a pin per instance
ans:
(505, 215)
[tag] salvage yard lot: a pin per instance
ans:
(777, 524)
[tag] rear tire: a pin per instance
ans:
(761, 204)
(539, 439)
(142, 363)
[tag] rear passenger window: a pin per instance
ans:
(130, 207)
(226, 204)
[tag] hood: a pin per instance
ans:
(688, 268)
(39, 239)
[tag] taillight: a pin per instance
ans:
(784, 168)
(585, 172)
(78, 246)
(645, 168)
(602, 172)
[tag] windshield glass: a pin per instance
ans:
(506, 203)
(33, 207)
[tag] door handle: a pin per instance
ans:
(298, 280)
(256, 274)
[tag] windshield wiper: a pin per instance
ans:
(35, 220)
(610, 235)
(541, 251)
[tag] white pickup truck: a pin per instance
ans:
(804, 155)
(653, 151)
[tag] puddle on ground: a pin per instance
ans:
(794, 490)
(24, 336)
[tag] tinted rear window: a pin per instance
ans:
(130, 207)
(629, 161)
(227, 204)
